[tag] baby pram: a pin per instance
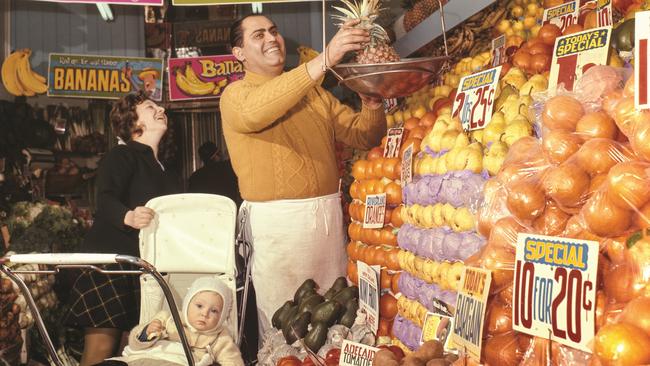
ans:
(192, 235)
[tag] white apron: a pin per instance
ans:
(293, 240)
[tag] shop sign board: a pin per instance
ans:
(227, 2)
(393, 142)
(202, 77)
(470, 311)
(375, 211)
(554, 294)
(356, 354)
(201, 34)
(474, 101)
(108, 77)
(641, 64)
(369, 293)
(117, 2)
(562, 15)
(575, 53)
(407, 166)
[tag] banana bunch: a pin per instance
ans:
(306, 54)
(18, 76)
(190, 83)
(458, 219)
(486, 19)
(444, 274)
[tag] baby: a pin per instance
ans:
(205, 308)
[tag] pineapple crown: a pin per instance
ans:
(367, 11)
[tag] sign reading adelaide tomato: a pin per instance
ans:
(576, 53)
(474, 101)
(356, 354)
(641, 64)
(554, 294)
(562, 15)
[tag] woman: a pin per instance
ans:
(129, 175)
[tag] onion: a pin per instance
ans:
(526, 200)
(562, 113)
(597, 125)
(604, 218)
(559, 145)
(567, 184)
(597, 156)
(629, 184)
(637, 312)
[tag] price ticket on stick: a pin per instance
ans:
(475, 98)
(393, 142)
(470, 311)
(603, 10)
(369, 293)
(373, 215)
(554, 290)
(576, 53)
(407, 166)
(390, 105)
(641, 64)
(562, 15)
(356, 354)
(499, 51)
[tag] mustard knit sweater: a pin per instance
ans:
(280, 132)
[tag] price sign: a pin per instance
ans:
(562, 15)
(393, 142)
(555, 289)
(355, 354)
(369, 293)
(407, 166)
(475, 99)
(470, 311)
(604, 13)
(390, 105)
(499, 50)
(641, 55)
(373, 215)
(437, 327)
(576, 53)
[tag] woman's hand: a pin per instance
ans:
(139, 217)
(154, 328)
(345, 40)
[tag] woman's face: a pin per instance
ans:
(151, 117)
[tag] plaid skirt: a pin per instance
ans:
(105, 301)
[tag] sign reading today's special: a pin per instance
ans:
(554, 294)
(107, 77)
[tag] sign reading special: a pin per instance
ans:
(108, 77)
(576, 53)
(554, 294)
(641, 64)
(475, 99)
(562, 15)
(470, 311)
(202, 77)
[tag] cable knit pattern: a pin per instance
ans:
(280, 133)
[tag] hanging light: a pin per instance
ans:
(257, 8)
(105, 12)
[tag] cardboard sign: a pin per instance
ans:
(437, 327)
(576, 53)
(201, 34)
(356, 354)
(369, 293)
(499, 50)
(119, 2)
(604, 13)
(475, 99)
(375, 211)
(108, 77)
(641, 55)
(562, 15)
(390, 105)
(393, 142)
(407, 166)
(554, 294)
(202, 77)
(470, 311)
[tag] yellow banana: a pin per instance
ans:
(39, 77)
(10, 74)
(190, 88)
(26, 76)
(191, 75)
(220, 85)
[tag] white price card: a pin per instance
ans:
(369, 293)
(407, 166)
(470, 311)
(562, 15)
(373, 215)
(641, 64)
(554, 294)
(356, 354)
(390, 105)
(393, 142)
(499, 51)
(575, 53)
(604, 15)
(474, 101)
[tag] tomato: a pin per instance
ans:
(289, 361)
(333, 353)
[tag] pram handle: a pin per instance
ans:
(63, 258)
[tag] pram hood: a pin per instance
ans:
(212, 284)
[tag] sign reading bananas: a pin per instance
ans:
(202, 77)
(107, 77)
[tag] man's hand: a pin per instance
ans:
(345, 40)
(371, 102)
(154, 328)
(139, 217)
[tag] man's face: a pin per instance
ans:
(263, 50)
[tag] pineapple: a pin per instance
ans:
(377, 50)
(417, 11)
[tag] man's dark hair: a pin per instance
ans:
(207, 150)
(236, 31)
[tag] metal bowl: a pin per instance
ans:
(391, 79)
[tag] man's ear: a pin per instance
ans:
(238, 52)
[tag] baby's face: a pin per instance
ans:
(204, 310)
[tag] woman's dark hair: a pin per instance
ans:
(123, 116)
(237, 32)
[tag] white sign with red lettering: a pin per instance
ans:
(562, 15)
(474, 101)
(604, 13)
(369, 293)
(407, 166)
(373, 215)
(641, 56)
(356, 354)
(499, 50)
(393, 142)
(576, 53)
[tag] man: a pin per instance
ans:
(216, 177)
(280, 128)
